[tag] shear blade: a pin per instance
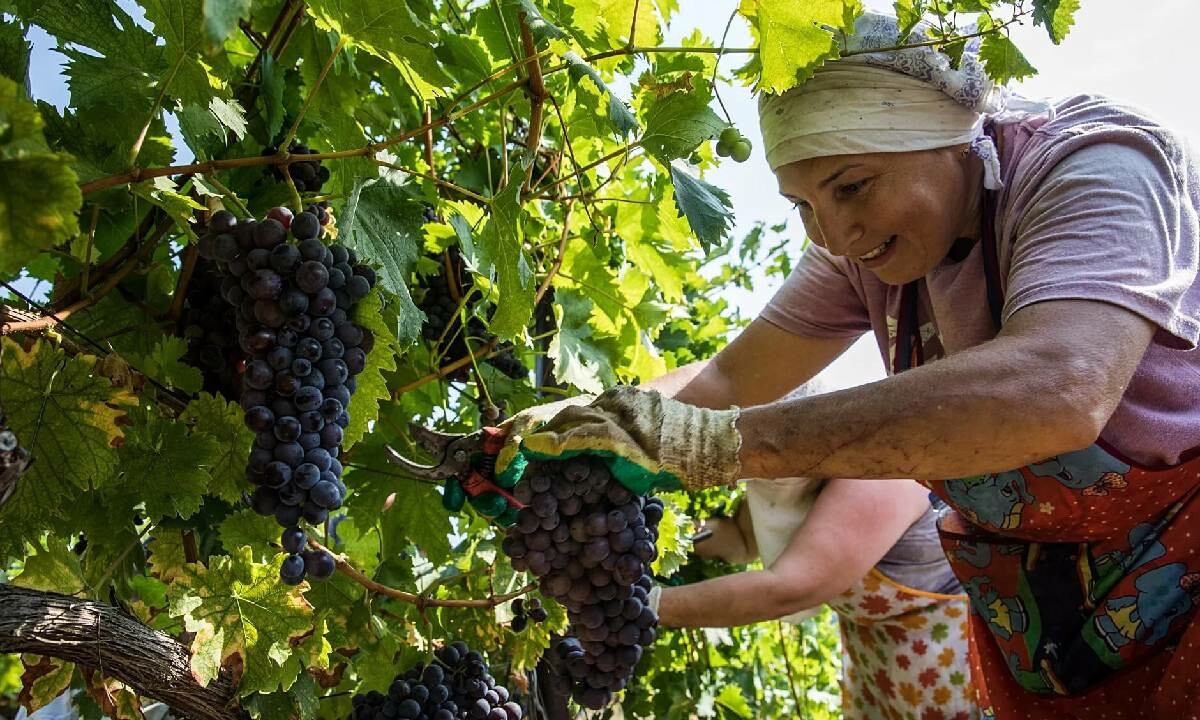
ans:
(432, 441)
(429, 472)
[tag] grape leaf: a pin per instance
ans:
(607, 22)
(705, 206)
(164, 364)
(167, 558)
(246, 527)
(220, 18)
(167, 468)
(65, 416)
(500, 252)
(383, 225)
(678, 123)
(672, 542)
(618, 114)
(1002, 60)
(372, 386)
(14, 51)
(1057, 16)
(53, 568)
(221, 421)
(181, 24)
(44, 679)
(380, 27)
(791, 41)
(579, 358)
(271, 96)
(240, 611)
(38, 192)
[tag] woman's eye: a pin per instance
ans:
(801, 206)
(852, 189)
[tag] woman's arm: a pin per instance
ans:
(1046, 385)
(851, 527)
(762, 364)
(732, 539)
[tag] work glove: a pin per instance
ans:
(649, 441)
(510, 463)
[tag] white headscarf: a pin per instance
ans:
(888, 101)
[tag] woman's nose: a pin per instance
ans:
(839, 235)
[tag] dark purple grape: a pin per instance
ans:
(331, 408)
(293, 539)
(309, 349)
(350, 334)
(284, 258)
(257, 259)
(358, 286)
(323, 302)
(322, 329)
(315, 379)
(319, 564)
(324, 493)
(269, 233)
(335, 371)
(288, 515)
(306, 225)
(258, 375)
(311, 421)
(221, 221)
(356, 360)
(286, 384)
(291, 572)
(259, 418)
(293, 302)
(312, 249)
(331, 435)
(289, 452)
(306, 475)
(264, 500)
(311, 276)
(287, 429)
(301, 367)
(279, 358)
(308, 398)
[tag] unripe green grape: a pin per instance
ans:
(740, 152)
(730, 135)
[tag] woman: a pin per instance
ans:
(868, 550)
(1031, 278)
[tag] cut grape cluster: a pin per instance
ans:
(302, 353)
(590, 542)
(456, 686)
(526, 612)
(307, 175)
(441, 312)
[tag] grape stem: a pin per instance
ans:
(416, 599)
(537, 94)
(486, 351)
(558, 259)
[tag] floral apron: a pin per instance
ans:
(903, 653)
(1083, 570)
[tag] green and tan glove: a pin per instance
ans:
(650, 441)
(510, 463)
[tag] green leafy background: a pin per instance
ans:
(598, 255)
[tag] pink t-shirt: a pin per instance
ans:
(1100, 202)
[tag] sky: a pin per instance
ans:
(1137, 56)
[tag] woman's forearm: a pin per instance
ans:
(1004, 404)
(730, 600)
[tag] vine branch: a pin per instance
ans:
(99, 636)
(415, 598)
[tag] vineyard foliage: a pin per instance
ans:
(551, 154)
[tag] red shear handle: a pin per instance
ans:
(477, 482)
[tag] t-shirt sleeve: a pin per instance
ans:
(818, 300)
(1112, 223)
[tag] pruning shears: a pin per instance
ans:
(466, 467)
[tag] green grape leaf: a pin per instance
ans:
(14, 52)
(791, 41)
(164, 364)
(181, 24)
(1057, 16)
(215, 419)
(500, 252)
(239, 610)
(167, 468)
(733, 702)
(382, 223)
(167, 558)
(706, 207)
(677, 124)
(230, 115)
(1002, 60)
(618, 113)
(380, 27)
(673, 546)
(65, 416)
(246, 527)
(38, 192)
(580, 359)
(372, 386)
(162, 192)
(607, 22)
(271, 97)
(52, 569)
(220, 18)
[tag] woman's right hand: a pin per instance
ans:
(725, 543)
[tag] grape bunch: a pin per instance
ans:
(208, 327)
(457, 685)
(732, 144)
(590, 542)
(524, 612)
(302, 353)
(441, 312)
(307, 175)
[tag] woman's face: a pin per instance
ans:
(895, 214)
